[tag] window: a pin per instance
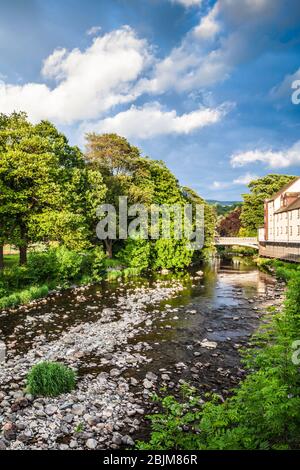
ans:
(291, 215)
(298, 230)
(286, 230)
(281, 231)
(291, 230)
(277, 231)
(298, 213)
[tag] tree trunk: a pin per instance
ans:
(23, 255)
(108, 247)
(1, 257)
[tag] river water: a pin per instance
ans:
(127, 330)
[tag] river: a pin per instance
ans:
(126, 340)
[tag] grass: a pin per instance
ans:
(50, 379)
(47, 271)
(11, 260)
(24, 296)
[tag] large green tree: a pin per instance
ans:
(46, 190)
(210, 220)
(252, 215)
(117, 161)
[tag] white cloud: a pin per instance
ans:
(208, 26)
(210, 51)
(284, 89)
(93, 30)
(152, 120)
(245, 179)
(88, 82)
(273, 159)
(242, 180)
(187, 3)
(220, 185)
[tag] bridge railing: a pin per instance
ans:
(236, 240)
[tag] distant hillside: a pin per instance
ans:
(223, 207)
(224, 203)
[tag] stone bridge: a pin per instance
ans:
(250, 242)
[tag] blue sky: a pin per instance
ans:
(203, 85)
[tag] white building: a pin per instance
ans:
(280, 236)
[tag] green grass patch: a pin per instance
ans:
(24, 296)
(50, 379)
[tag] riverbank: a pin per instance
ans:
(126, 342)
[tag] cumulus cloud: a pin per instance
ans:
(152, 120)
(273, 159)
(212, 49)
(87, 82)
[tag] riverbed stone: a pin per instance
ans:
(91, 444)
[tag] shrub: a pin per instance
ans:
(50, 379)
(97, 263)
(42, 266)
(171, 254)
(135, 254)
(69, 264)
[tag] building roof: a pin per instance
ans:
(284, 188)
(291, 207)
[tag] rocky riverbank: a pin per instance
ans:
(123, 352)
(103, 411)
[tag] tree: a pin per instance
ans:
(210, 219)
(230, 224)
(116, 160)
(46, 191)
(252, 215)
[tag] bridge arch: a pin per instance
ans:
(249, 242)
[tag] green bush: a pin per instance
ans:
(69, 264)
(50, 379)
(170, 254)
(43, 266)
(135, 254)
(97, 265)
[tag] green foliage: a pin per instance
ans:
(97, 259)
(47, 192)
(170, 254)
(50, 379)
(210, 220)
(23, 297)
(224, 208)
(47, 270)
(135, 254)
(263, 412)
(252, 216)
(42, 266)
(69, 264)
